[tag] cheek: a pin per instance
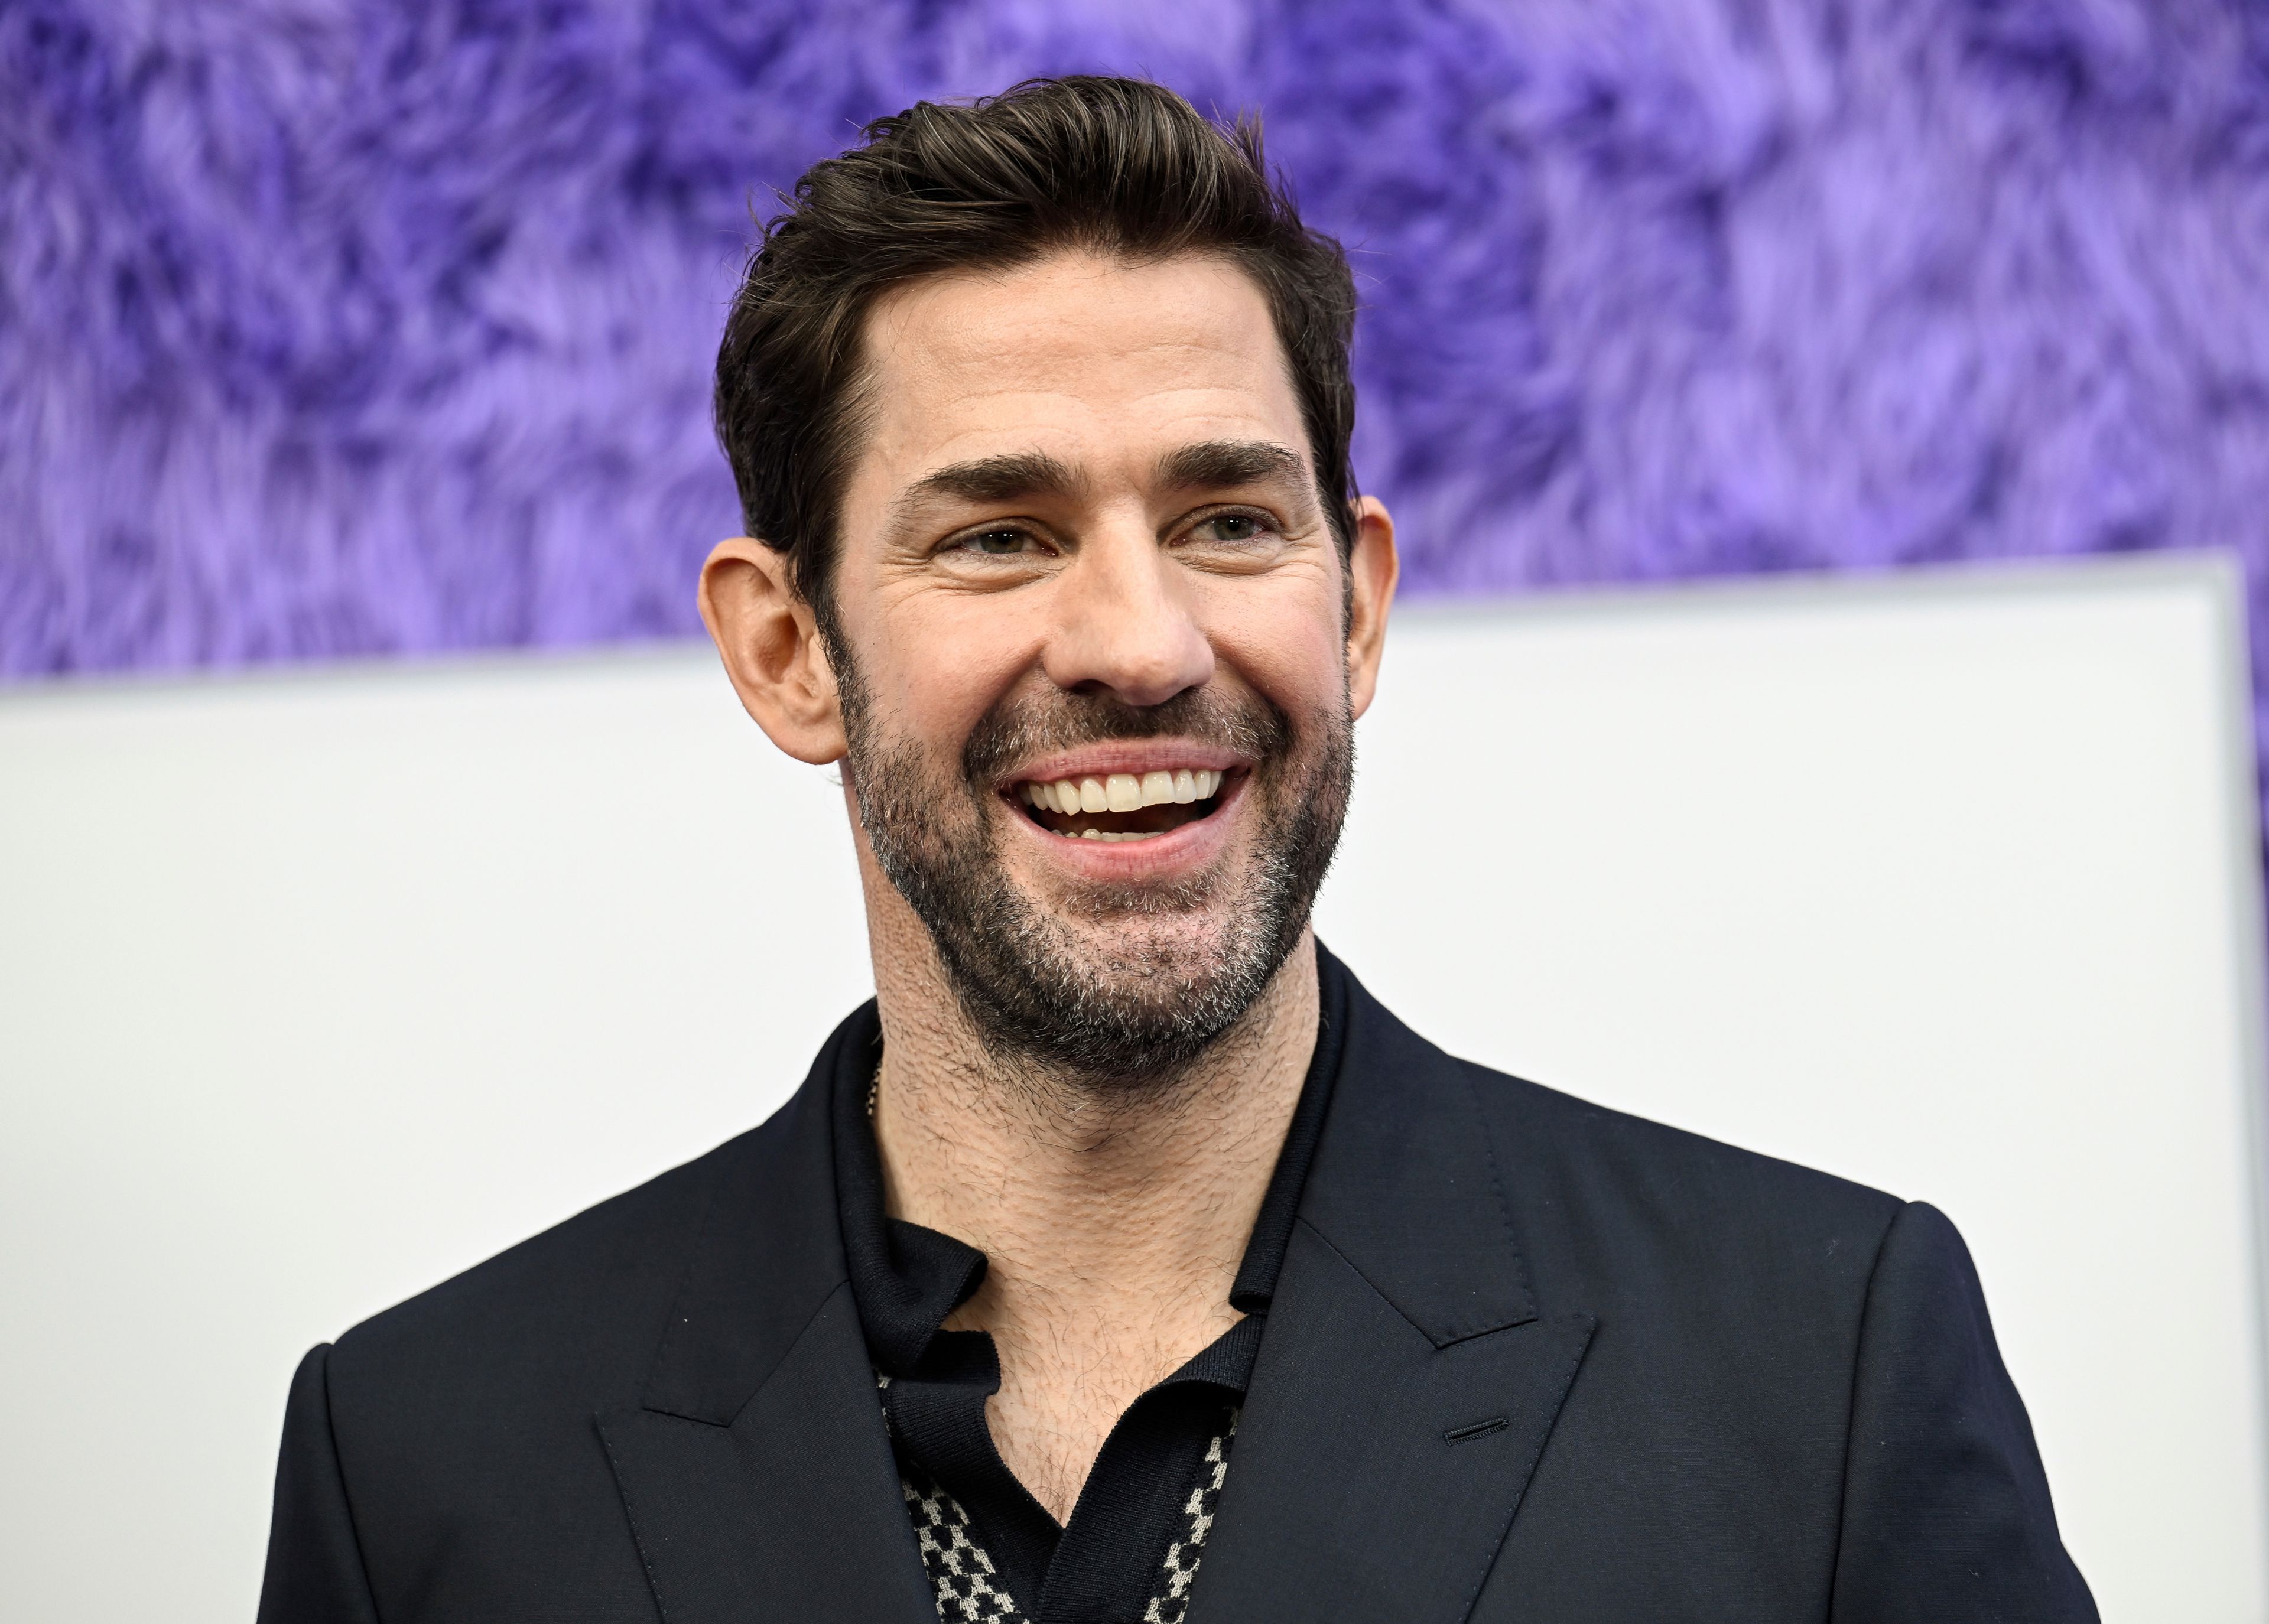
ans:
(944, 664)
(1285, 642)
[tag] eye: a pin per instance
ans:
(1002, 543)
(1232, 527)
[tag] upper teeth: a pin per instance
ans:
(1122, 792)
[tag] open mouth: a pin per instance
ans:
(1122, 805)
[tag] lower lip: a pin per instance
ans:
(1186, 846)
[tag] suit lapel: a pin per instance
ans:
(755, 1469)
(793, 1511)
(1406, 1385)
(1407, 1382)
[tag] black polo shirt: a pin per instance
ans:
(1131, 1550)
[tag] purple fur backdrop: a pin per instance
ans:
(348, 326)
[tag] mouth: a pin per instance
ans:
(1124, 807)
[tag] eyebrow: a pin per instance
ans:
(1007, 478)
(1015, 476)
(1227, 463)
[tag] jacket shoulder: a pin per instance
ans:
(1589, 1147)
(590, 1292)
(459, 1421)
(1675, 1230)
(1568, 1161)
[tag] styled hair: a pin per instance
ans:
(1110, 165)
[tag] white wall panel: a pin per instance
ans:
(316, 988)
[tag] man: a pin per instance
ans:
(1124, 1260)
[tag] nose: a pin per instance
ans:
(1126, 621)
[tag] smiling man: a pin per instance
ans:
(1124, 1260)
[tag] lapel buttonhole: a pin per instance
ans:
(1477, 1429)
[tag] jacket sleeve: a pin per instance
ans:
(1947, 1515)
(314, 1563)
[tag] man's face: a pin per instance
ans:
(1094, 663)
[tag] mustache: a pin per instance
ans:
(1020, 728)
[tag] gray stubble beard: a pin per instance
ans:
(1033, 992)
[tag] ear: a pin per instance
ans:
(771, 649)
(1373, 568)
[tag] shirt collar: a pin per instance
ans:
(905, 1279)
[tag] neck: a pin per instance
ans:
(1058, 1183)
(1113, 1221)
(1069, 1186)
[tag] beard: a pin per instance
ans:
(1164, 969)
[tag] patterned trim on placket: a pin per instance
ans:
(968, 1589)
(967, 1586)
(1171, 1601)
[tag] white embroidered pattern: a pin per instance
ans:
(968, 1587)
(1171, 1602)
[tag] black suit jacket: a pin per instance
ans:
(1528, 1360)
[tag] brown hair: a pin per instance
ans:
(1114, 165)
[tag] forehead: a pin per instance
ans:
(1097, 361)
